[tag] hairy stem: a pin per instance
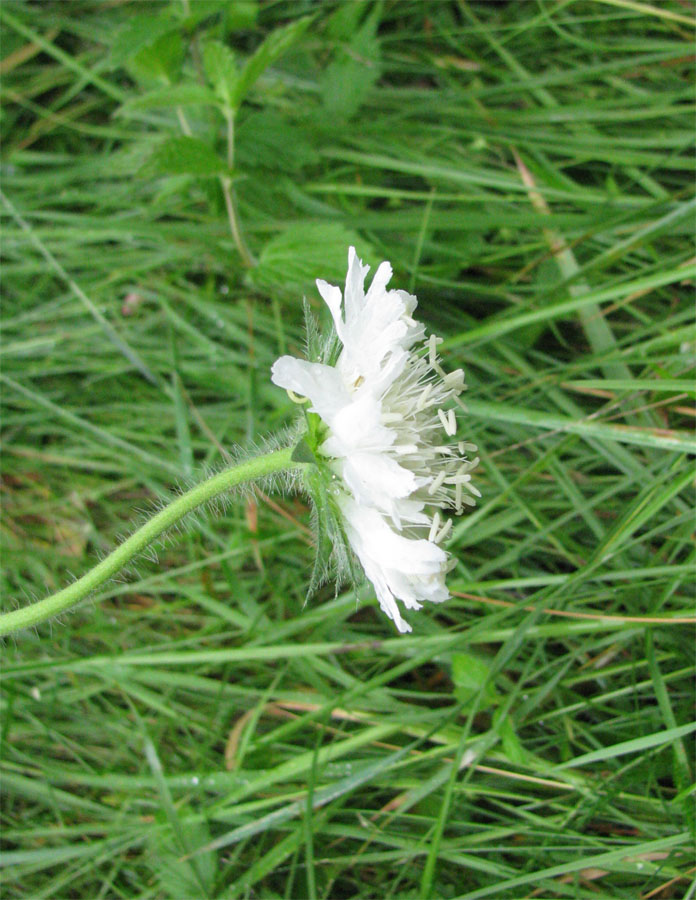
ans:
(39, 612)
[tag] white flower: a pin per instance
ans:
(388, 439)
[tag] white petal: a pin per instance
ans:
(410, 302)
(354, 293)
(332, 297)
(377, 480)
(386, 599)
(369, 342)
(382, 379)
(379, 283)
(322, 384)
(409, 512)
(407, 569)
(357, 425)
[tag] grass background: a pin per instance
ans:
(195, 730)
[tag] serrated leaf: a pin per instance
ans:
(512, 746)
(221, 70)
(344, 21)
(236, 14)
(184, 156)
(353, 71)
(291, 262)
(471, 674)
(276, 44)
(141, 31)
(160, 61)
(241, 14)
(265, 139)
(175, 95)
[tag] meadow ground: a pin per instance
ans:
(174, 178)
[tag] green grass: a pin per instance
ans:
(195, 729)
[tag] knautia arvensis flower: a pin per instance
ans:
(377, 453)
(381, 432)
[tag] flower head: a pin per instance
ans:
(382, 435)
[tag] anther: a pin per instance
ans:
(449, 423)
(472, 487)
(422, 400)
(455, 380)
(459, 478)
(433, 341)
(465, 446)
(296, 398)
(437, 483)
(435, 526)
(444, 531)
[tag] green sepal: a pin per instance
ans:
(303, 453)
(316, 432)
(322, 523)
(334, 557)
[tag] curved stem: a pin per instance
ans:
(233, 219)
(150, 531)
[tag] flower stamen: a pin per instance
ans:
(423, 399)
(437, 483)
(433, 341)
(444, 531)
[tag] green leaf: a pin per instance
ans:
(241, 14)
(275, 45)
(160, 61)
(265, 139)
(681, 441)
(174, 95)
(512, 746)
(353, 71)
(184, 156)
(344, 21)
(235, 16)
(635, 745)
(221, 71)
(140, 32)
(291, 262)
(471, 675)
